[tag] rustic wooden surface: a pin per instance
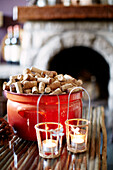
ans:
(21, 154)
(95, 11)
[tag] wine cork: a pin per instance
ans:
(27, 91)
(13, 78)
(60, 77)
(45, 80)
(47, 90)
(38, 81)
(66, 86)
(12, 88)
(26, 71)
(35, 70)
(73, 90)
(41, 87)
(57, 91)
(29, 84)
(20, 77)
(55, 85)
(18, 86)
(6, 86)
(35, 90)
(29, 77)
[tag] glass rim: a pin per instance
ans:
(46, 130)
(80, 119)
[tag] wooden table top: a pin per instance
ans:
(21, 154)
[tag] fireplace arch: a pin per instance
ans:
(65, 40)
(70, 39)
(86, 64)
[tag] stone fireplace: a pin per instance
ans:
(76, 47)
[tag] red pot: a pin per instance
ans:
(22, 111)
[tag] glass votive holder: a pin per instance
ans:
(49, 137)
(76, 135)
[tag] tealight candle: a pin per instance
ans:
(77, 138)
(66, 2)
(81, 2)
(85, 2)
(49, 146)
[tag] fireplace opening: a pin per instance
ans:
(86, 64)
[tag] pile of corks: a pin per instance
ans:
(36, 81)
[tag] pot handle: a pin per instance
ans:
(26, 110)
(38, 101)
(87, 96)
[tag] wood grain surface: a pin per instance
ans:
(21, 154)
(94, 11)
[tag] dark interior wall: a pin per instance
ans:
(6, 6)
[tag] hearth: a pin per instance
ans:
(86, 64)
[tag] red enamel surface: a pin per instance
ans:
(22, 111)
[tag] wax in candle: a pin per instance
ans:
(77, 138)
(49, 145)
(85, 2)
